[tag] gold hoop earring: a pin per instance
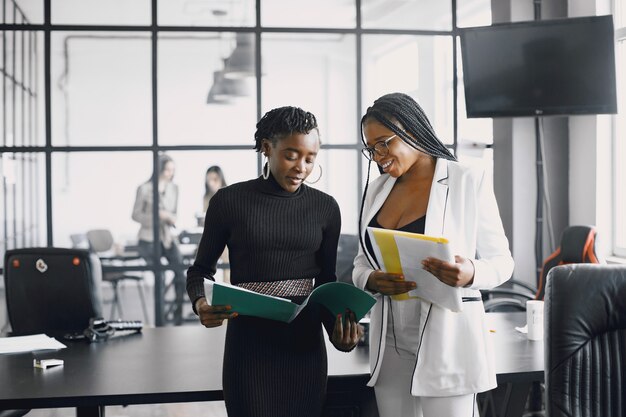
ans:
(266, 175)
(318, 178)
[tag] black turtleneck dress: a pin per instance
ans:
(284, 244)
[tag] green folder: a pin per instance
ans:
(335, 296)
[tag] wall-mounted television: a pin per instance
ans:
(539, 68)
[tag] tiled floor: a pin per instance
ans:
(132, 311)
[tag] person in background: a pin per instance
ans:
(427, 360)
(142, 213)
(282, 238)
(213, 181)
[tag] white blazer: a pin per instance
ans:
(454, 353)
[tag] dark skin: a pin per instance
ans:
(291, 160)
(407, 202)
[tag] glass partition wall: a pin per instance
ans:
(94, 93)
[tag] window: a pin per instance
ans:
(191, 80)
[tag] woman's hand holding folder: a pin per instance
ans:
(347, 331)
(457, 274)
(389, 284)
(213, 316)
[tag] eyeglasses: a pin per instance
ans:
(381, 148)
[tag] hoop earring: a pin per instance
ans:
(266, 175)
(318, 178)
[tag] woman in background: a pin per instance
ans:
(282, 239)
(142, 213)
(425, 359)
(213, 181)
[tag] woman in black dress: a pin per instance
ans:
(282, 239)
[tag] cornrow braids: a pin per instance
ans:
(281, 122)
(403, 109)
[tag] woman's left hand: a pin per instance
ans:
(347, 331)
(457, 274)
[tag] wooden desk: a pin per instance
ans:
(160, 365)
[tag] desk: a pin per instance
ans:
(160, 365)
(519, 363)
(184, 364)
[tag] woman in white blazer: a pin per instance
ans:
(427, 360)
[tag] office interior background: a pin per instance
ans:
(92, 92)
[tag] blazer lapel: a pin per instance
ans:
(379, 200)
(438, 200)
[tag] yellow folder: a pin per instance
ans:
(402, 252)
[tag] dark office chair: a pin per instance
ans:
(190, 237)
(51, 290)
(577, 246)
(101, 242)
(346, 252)
(585, 341)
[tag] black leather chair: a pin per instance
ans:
(51, 290)
(347, 250)
(585, 341)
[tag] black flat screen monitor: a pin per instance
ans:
(549, 67)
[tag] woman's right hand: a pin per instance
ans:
(388, 284)
(213, 316)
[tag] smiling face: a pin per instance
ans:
(292, 158)
(400, 158)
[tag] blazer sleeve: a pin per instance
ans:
(362, 267)
(140, 214)
(494, 263)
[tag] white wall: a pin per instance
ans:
(590, 176)
(586, 173)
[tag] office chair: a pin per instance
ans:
(190, 237)
(101, 242)
(346, 252)
(577, 246)
(51, 290)
(585, 341)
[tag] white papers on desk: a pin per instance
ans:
(405, 253)
(17, 344)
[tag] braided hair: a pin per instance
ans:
(403, 109)
(281, 122)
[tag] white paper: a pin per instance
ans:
(208, 291)
(18, 344)
(412, 252)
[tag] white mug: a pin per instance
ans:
(534, 319)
